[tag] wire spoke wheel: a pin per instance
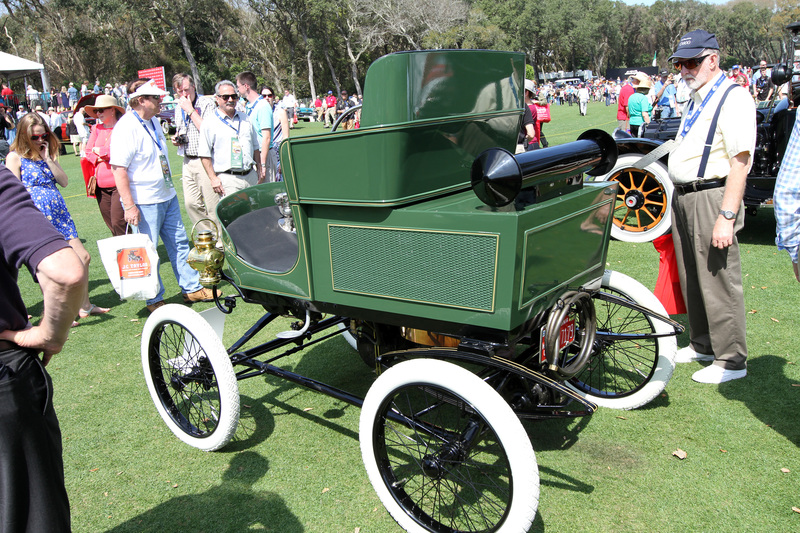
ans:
(643, 209)
(190, 378)
(627, 369)
(447, 460)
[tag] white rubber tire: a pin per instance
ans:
(227, 415)
(483, 399)
(666, 346)
(659, 172)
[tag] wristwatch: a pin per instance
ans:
(729, 215)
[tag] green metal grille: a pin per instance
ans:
(450, 269)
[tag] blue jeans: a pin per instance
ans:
(667, 111)
(164, 220)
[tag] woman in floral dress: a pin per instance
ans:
(33, 160)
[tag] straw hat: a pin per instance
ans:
(643, 80)
(103, 101)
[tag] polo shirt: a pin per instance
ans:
(260, 114)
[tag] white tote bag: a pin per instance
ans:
(131, 262)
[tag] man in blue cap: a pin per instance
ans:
(709, 167)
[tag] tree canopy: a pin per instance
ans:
(312, 46)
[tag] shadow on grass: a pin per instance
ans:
(256, 424)
(232, 505)
(767, 392)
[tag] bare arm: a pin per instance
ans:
(13, 162)
(722, 236)
(58, 172)
(62, 278)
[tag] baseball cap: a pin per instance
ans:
(330, 92)
(693, 43)
(665, 72)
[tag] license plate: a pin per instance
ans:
(566, 337)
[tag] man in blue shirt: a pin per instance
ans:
(73, 95)
(259, 111)
(665, 95)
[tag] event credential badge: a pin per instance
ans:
(166, 171)
(133, 263)
(237, 158)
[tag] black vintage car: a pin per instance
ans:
(643, 211)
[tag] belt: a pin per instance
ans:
(696, 186)
(187, 156)
(238, 172)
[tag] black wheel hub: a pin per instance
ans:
(634, 199)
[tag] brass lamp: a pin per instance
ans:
(206, 258)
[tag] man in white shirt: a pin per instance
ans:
(708, 210)
(140, 163)
(229, 146)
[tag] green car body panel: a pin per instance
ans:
(386, 221)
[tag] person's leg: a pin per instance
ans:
(192, 194)
(720, 277)
(118, 224)
(103, 197)
(684, 237)
(151, 218)
(33, 496)
(173, 235)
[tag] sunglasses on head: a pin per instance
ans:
(227, 97)
(39, 137)
(691, 63)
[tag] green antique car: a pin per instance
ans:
(472, 280)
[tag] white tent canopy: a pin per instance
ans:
(15, 67)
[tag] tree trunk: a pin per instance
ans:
(311, 77)
(40, 59)
(181, 27)
(330, 65)
(353, 66)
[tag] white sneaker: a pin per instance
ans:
(717, 374)
(688, 355)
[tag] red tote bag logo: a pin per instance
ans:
(133, 263)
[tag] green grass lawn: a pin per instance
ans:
(295, 463)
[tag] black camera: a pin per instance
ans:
(182, 138)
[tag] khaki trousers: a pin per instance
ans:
(198, 195)
(711, 279)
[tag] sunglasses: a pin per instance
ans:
(39, 137)
(269, 95)
(691, 63)
(227, 97)
(100, 110)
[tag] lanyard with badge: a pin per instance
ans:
(237, 157)
(692, 115)
(161, 157)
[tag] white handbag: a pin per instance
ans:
(131, 262)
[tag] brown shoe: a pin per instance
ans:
(153, 307)
(202, 295)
